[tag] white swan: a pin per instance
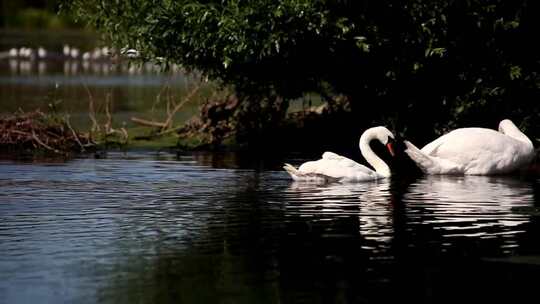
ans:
(336, 168)
(475, 151)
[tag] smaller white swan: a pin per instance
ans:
(335, 168)
(475, 151)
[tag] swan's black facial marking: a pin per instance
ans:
(382, 144)
(401, 163)
(381, 149)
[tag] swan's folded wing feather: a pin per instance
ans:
(331, 156)
(469, 143)
(309, 176)
(431, 148)
(337, 164)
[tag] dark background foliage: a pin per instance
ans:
(422, 67)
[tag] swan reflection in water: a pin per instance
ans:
(480, 206)
(367, 203)
(449, 206)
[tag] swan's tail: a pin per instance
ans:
(422, 160)
(295, 174)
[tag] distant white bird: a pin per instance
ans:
(74, 53)
(42, 53)
(132, 53)
(86, 56)
(96, 54)
(67, 50)
(13, 53)
(26, 53)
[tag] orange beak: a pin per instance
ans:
(390, 149)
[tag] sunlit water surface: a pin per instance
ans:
(199, 228)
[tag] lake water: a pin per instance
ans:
(223, 228)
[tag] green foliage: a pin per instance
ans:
(463, 62)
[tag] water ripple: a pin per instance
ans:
(90, 229)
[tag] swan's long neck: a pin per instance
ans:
(375, 161)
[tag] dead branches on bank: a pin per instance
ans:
(166, 126)
(39, 131)
(104, 133)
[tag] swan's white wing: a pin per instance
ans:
(312, 177)
(479, 150)
(333, 156)
(431, 148)
(469, 144)
(346, 163)
(337, 166)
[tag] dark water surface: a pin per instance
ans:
(203, 228)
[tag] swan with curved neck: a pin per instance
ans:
(333, 167)
(475, 151)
